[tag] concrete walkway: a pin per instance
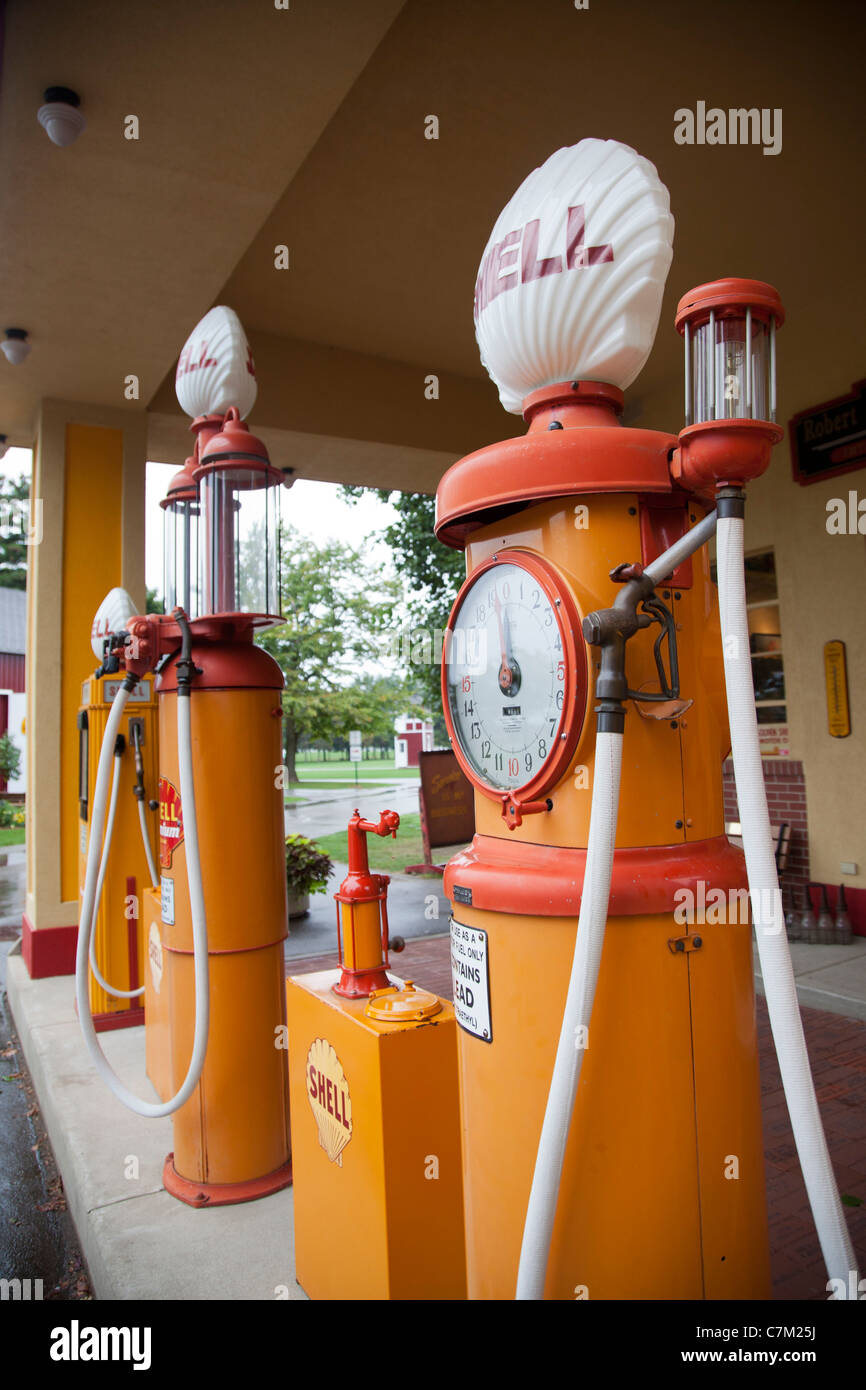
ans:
(140, 1243)
(832, 978)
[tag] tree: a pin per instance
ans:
(337, 611)
(14, 528)
(433, 573)
(10, 758)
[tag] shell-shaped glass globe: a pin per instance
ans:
(571, 281)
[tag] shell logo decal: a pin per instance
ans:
(328, 1094)
(170, 821)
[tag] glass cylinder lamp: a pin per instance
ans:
(729, 333)
(180, 543)
(729, 336)
(239, 539)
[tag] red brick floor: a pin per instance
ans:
(837, 1051)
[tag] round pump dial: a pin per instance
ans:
(514, 675)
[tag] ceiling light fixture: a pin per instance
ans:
(15, 346)
(60, 117)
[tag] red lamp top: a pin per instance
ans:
(182, 487)
(729, 298)
(234, 447)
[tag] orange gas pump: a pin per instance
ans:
(216, 951)
(606, 1022)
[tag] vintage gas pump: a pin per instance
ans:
(378, 1209)
(117, 974)
(223, 914)
(584, 690)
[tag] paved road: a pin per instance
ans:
(329, 811)
(13, 888)
(416, 907)
(37, 1237)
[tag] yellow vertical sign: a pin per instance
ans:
(836, 677)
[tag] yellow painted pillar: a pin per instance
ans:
(88, 532)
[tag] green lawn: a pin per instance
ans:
(323, 786)
(376, 770)
(12, 835)
(387, 855)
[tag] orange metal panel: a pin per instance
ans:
(235, 1126)
(728, 1113)
(378, 1214)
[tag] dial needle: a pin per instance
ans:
(506, 668)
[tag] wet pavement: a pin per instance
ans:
(416, 906)
(37, 1238)
(324, 812)
(13, 888)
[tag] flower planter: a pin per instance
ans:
(299, 905)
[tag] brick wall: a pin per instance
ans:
(786, 800)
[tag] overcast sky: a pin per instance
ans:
(313, 508)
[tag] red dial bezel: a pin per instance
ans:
(573, 715)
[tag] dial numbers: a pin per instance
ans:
(505, 677)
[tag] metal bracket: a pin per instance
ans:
(680, 944)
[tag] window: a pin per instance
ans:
(765, 644)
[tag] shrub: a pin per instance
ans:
(307, 867)
(10, 758)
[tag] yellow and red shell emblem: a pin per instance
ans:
(170, 821)
(330, 1102)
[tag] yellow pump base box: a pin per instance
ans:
(375, 1146)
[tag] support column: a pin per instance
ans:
(89, 485)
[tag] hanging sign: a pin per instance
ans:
(836, 676)
(470, 978)
(830, 438)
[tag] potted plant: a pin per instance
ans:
(307, 871)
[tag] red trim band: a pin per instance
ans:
(531, 880)
(223, 1194)
(48, 951)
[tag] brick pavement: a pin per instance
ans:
(837, 1052)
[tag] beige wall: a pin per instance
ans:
(821, 580)
(57, 659)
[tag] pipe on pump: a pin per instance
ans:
(766, 900)
(103, 864)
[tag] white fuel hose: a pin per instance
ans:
(199, 923)
(148, 847)
(103, 864)
(592, 920)
(768, 917)
(574, 1036)
(142, 820)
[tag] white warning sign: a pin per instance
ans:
(470, 977)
